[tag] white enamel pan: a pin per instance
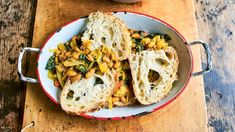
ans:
(137, 21)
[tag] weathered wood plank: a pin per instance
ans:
(16, 20)
(216, 25)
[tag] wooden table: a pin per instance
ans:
(215, 25)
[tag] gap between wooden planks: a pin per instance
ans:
(186, 113)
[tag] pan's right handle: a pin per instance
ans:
(22, 77)
(208, 55)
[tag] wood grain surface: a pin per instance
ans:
(16, 20)
(187, 112)
(216, 25)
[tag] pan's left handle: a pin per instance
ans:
(22, 77)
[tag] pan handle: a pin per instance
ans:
(22, 77)
(208, 57)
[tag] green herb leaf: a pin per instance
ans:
(67, 46)
(165, 36)
(81, 69)
(51, 63)
(79, 40)
(139, 46)
(82, 57)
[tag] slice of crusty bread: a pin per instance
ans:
(87, 94)
(106, 29)
(163, 63)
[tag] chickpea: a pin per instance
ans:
(117, 64)
(104, 50)
(113, 57)
(63, 51)
(154, 47)
(86, 51)
(83, 47)
(145, 41)
(71, 73)
(135, 35)
(76, 78)
(108, 54)
(77, 49)
(75, 55)
(68, 54)
(110, 65)
(123, 99)
(89, 48)
(90, 58)
(56, 60)
(90, 73)
(150, 45)
(106, 59)
(57, 52)
(62, 57)
(115, 99)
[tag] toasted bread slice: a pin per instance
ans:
(153, 73)
(87, 94)
(106, 29)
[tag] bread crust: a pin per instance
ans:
(126, 36)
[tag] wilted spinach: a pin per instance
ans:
(165, 36)
(51, 64)
(138, 45)
(81, 69)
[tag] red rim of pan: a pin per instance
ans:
(142, 113)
